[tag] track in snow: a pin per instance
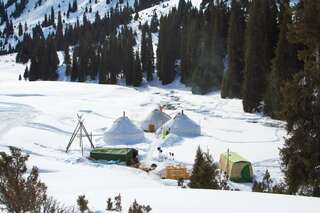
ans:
(14, 115)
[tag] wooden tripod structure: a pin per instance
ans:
(80, 129)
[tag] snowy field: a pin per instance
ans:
(39, 117)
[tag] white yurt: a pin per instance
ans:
(123, 132)
(154, 120)
(180, 125)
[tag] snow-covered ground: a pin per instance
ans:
(39, 117)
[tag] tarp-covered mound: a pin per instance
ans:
(123, 132)
(154, 120)
(180, 125)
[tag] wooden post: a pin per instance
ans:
(81, 143)
(228, 164)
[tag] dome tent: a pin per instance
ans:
(154, 120)
(236, 167)
(180, 125)
(123, 132)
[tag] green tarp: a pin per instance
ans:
(114, 154)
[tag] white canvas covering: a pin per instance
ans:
(156, 118)
(123, 132)
(181, 125)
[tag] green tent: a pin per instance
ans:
(114, 154)
(236, 167)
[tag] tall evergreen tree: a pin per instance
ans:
(67, 60)
(150, 58)
(259, 48)
(208, 73)
(74, 69)
(301, 153)
(137, 71)
(143, 47)
(284, 65)
(233, 77)
(59, 33)
(26, 73)
(204, 172)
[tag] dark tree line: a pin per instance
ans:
(193, 44)
(100, 52)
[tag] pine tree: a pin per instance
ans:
(301, 153)
(233, 78)
(52, 17)
(207, 74)
(74, 69)
(67, 60)
(20, 32)
(21, 191)
(52, 61)
(59, 33)
(190, 42)
(150, 57)
(259, 48)
(137, 71)
(284, 65)
(154, 24)
(26, 73)
(168, 48)
(147, 57)
(204, 172)
(144, 50)
(83, 203)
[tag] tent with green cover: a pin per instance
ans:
(126, 155)
(236, 167)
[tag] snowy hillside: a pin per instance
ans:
(39, 117)
(34, 14)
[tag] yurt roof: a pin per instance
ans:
(181, 125)
(123, 125)
(157, 117)
(123, 131)
(181, 120)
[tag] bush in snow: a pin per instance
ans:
(117, 203)
(53, 206)
(109, 204)
(83, 204)
(137, 208)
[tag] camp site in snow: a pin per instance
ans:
(161, 106)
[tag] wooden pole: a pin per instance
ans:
(73, 136)
(81, 143)
(228, 164)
